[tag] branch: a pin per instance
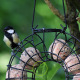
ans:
(76, 3)
(72, 22)
(54, 10)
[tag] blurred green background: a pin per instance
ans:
(18, 14)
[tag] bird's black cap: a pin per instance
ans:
(8, 27)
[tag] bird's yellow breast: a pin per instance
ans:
(7, 41)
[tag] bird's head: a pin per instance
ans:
(9, 30)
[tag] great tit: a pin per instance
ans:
(11, 38)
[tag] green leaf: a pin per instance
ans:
(47, 70)
(52, 69)
(41, 72)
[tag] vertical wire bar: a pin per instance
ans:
(33, 13)
(33, 20)
(64, 14)
(44, 47)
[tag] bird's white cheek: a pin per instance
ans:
(11, 31)
(7, 41)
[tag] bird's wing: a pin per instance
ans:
(15, 38)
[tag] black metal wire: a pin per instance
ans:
(33, 14)
(33, 19)
(47, 30)
(64, 15)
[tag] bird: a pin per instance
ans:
(11, 38)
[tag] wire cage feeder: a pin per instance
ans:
(31, 54)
